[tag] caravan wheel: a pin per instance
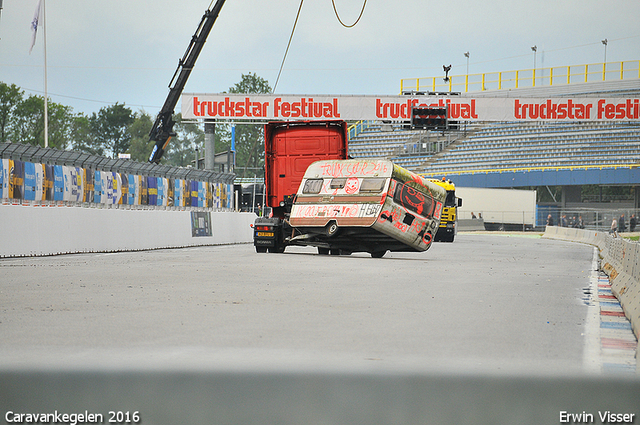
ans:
(331, 229)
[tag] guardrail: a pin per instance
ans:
(357, 128)
(620, 261)
(527, 169)
(506, 80)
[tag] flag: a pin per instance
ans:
(34, 24)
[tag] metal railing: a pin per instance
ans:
(598, 219)
(505, 80)
(527, 169)
(357, 128)
(30, 153)
(92, 181)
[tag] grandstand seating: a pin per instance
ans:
(519, 145)
(508, 145)
(505, 146)
(408, 148)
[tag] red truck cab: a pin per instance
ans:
(290, 147)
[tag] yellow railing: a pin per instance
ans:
(357, 128)
(528, 169)
(505, 80)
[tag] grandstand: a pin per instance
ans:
(411, 149)
(499, 146)
(527, 145)
(513, 146)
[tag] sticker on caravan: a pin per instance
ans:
(352, 185)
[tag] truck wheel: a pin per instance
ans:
(261, 249)
(323, 251)
(331, 229)
(378, 254)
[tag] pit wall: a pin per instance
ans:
(620, 260)
(42, 230)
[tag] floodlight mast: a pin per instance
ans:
(162, 129)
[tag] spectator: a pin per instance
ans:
(564, 221)
(632, 223)
(580, 223)
(473, 216)
(549, 220)
(614, 227)
(621, 225)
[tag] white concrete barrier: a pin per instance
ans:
(35, 231)
(470, 225)
(309, 396)
(620, 261)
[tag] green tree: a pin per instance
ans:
(10, 97)
(61, 119)
(81, 137)
(182, 148)
(249, 137)
(251, 83)
(27, 123)
(110, 129)
(141, 147)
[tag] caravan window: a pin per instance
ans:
(312, 186)
(338, 183)
(373, 185)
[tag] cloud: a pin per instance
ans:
(127, 51)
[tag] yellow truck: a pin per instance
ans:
(447, 229)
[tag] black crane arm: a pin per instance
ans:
(162, 129)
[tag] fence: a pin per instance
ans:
(357, 128)
(588, 218)
(31, 175)
(506, 80)
(579, 218)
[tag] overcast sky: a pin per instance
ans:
(103, 52)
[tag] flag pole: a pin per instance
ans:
(46, 96)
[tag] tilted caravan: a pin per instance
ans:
(375, 206)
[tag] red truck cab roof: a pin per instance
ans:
(290, 147)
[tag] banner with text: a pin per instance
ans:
(398, 108)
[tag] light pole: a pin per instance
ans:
(466, 88)
(534, 49)
(604, 64)
(466, 55)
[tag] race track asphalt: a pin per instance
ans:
(485, 302)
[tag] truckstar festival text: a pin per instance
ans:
(399, 108)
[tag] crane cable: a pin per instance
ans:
(288, 45)
(340, 20)
(294, 29)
